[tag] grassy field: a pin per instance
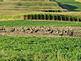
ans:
(29, 5)
(32, 48)
(38, 23)
(39, 48)
(72, 4)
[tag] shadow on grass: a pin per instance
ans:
(68, 7)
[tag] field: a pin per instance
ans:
(61, 16)
(32, 48)
(40, 30)
(39, 48)
(29, 23)
(71, 4)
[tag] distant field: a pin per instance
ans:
(32, 48)
(73, 3)
(67, 0)
(20, 15)
(38, 23)
(29, 5)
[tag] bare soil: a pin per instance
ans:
(57, 31)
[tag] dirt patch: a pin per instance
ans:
(57, 31)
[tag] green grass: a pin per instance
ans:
(38, 23)
(32, 48)
(66, 0)
(72, 2)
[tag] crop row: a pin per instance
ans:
(62, 16)
(30, 23)
(52, 17)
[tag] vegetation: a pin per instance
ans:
(38, 23)
(30, 5)
(71, 4)
(63, 16)
(39, 48)
(32, 48)
(48, 16)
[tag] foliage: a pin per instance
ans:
(38, 23)
(32, 48)
(73, 3)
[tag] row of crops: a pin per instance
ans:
(61, 16)
(32, 48)
(52, 10)
(52, 17)
(30, 23)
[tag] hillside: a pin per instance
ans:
(11, 7)
(28, 5)
(72, 5)
(24, 9)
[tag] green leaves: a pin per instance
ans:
(34, 48)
